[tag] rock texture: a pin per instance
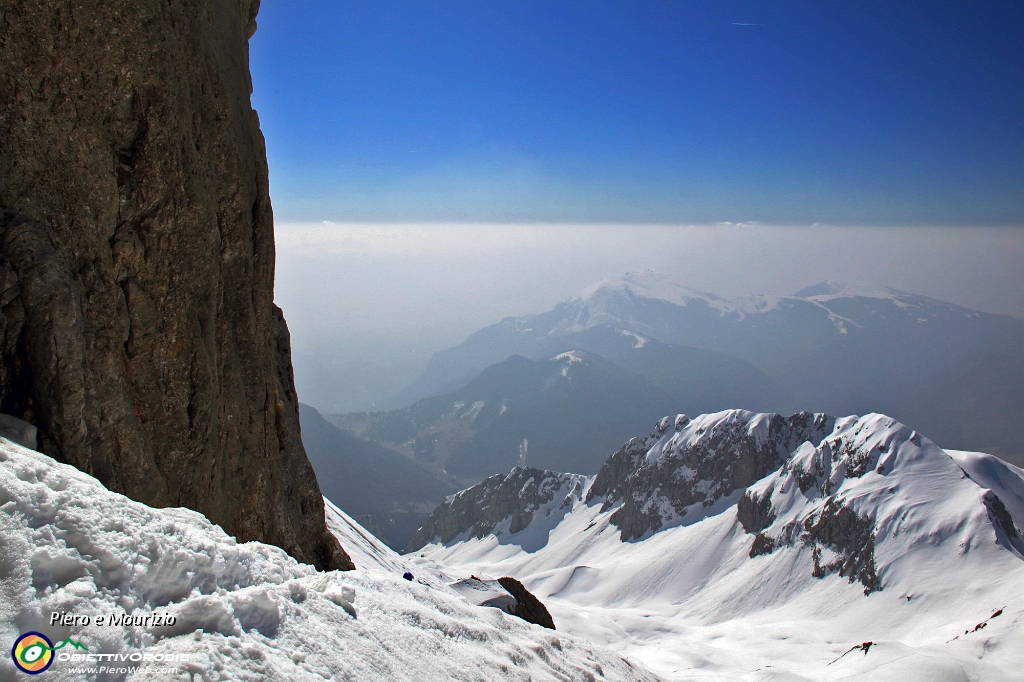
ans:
(528, 607)
(509, 500)
(695, 463)
(139, 333)
(507, 594)
(676, 474)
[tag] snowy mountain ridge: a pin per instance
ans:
(503, 503)
(600, 296)
(690, 559)
(603, 302)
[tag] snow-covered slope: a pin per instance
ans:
(243, 611)
(368, 553)
(864, 531)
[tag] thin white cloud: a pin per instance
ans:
(472, 266)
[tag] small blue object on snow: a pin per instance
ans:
(407, 575)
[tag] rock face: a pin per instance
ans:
(682, 470)
(686, 463)
(827, 495)
(506, 502)
(139, 333)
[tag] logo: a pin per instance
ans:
(33, 652)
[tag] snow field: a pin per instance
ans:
(245, 611)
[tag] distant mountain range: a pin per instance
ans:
(567, 412)
(835, 347)
(385, 492)
(817, 547)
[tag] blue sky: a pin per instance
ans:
(666, 111)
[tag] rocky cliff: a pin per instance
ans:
(687, 466)
(139, 333)
(501, 503)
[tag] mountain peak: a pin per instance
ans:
(836, 288)
(646, 284)
(601, 297)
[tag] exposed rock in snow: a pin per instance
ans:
(502, 503)
(485, 592)
(686, 466)
(507, 594)
(243, 611)
(528, 607)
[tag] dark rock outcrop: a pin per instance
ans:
(684, 463)
(851, 539)
(1001, 518)
(528, 607)
(1007, 534)
(762, 545)
(139, 333)
(507, 594)
(755, 513)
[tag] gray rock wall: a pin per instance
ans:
(512, 497)
(139, 332)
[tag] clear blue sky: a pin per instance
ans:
(875, 113)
